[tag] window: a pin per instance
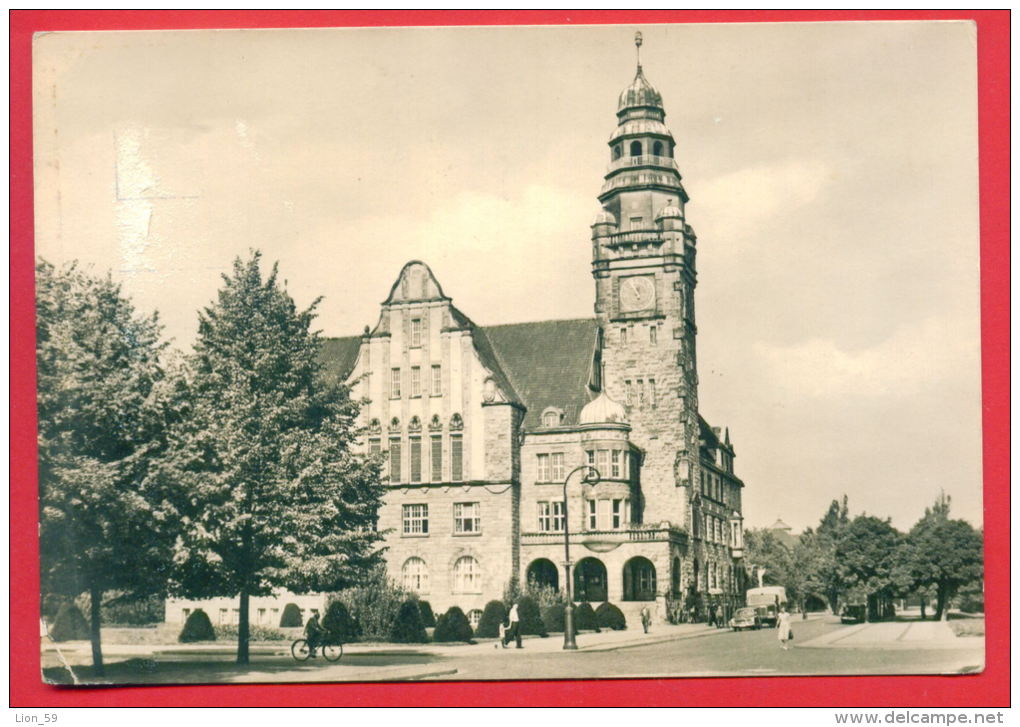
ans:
(551, 419)
(617, 152)
(651, 392)
(467, 576)
(543, 468)
(416, 381)
(602, 462)
(437, 380)
(223, 616)
(591, 457)
(395, 474)
(474, 617)
(550, 517)
(415, 332)
(415, 459)
(416, 519)
(623, 335)
(635, 148)
(437, 459)
(374, 446)
(467, 517)
(593, 523)
(653, 335)
(415, 575)
(557, 466)
(456, 457)
(262, 616)
(185, 612)
(394, 383)
(636, 223)
(616, 469)
(619, 514)
(657, 148)
(630, 391)
(641, 392)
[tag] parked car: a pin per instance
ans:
(853, 613)
(745, 618)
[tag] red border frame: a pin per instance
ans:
(988, 689)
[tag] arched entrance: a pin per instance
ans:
(639, 580)
(590, 581)
(544, 572)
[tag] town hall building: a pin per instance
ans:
(484, 428)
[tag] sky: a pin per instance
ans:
(832, 170)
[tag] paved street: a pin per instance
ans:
(821, 646)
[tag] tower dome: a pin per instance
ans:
(603, 410)
(670, 211)
(639, 94)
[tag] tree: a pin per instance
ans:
(278, 498)
(826, 536)
(104, 400)
(941, 555)
(867, 555)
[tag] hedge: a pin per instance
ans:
(338, 624)
(530, 617)
(555, 618)
(585, 618)
(428, 619)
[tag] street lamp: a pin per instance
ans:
(591, 477)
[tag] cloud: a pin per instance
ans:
(914, 358)
(740, 202)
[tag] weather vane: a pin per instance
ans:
(637, 43)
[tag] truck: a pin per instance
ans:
(767, 601)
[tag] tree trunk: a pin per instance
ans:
(941, 610)
(924, 603)
(95, 622)
(242, 629)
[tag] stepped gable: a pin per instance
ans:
(549, 363)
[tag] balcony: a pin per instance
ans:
(635, 236)
(610, 539)
(645, 160)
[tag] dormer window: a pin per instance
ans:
(552, 417)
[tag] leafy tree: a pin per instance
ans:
(867, 555)
(942, 555)
(830, 531)
(278, 498)
(103, 402)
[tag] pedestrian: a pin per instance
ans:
(646, 618)
(711, 616)
(785, 633)
(502, 633)
(514, 631)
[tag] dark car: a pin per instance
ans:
(854, 613)
(745, 618)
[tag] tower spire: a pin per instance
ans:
(637, 45)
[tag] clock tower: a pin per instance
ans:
(643, 255)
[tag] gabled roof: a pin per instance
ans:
(549, 364)
(340, 354)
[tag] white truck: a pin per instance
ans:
(768, 601)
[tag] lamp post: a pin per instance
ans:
(591, 477)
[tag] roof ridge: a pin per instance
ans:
(591, 319)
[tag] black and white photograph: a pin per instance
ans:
(499, 353)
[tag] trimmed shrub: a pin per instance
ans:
(453, 626)
(408, 628)
(555, 618)
(493, 615)
(428, 619)
(198, 627)
(338, 624)
(256, 632)
(610, 617)
(531, 617)
(69, 625)
(585, 618)
(291, 617)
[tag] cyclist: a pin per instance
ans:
(313, 633)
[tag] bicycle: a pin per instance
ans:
(331, 651)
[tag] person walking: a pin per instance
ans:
(783, 628)
(646, 618)
(514, 631)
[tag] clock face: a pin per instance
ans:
(637, 293)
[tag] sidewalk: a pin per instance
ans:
(895, 635)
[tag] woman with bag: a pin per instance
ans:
(783, 627)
